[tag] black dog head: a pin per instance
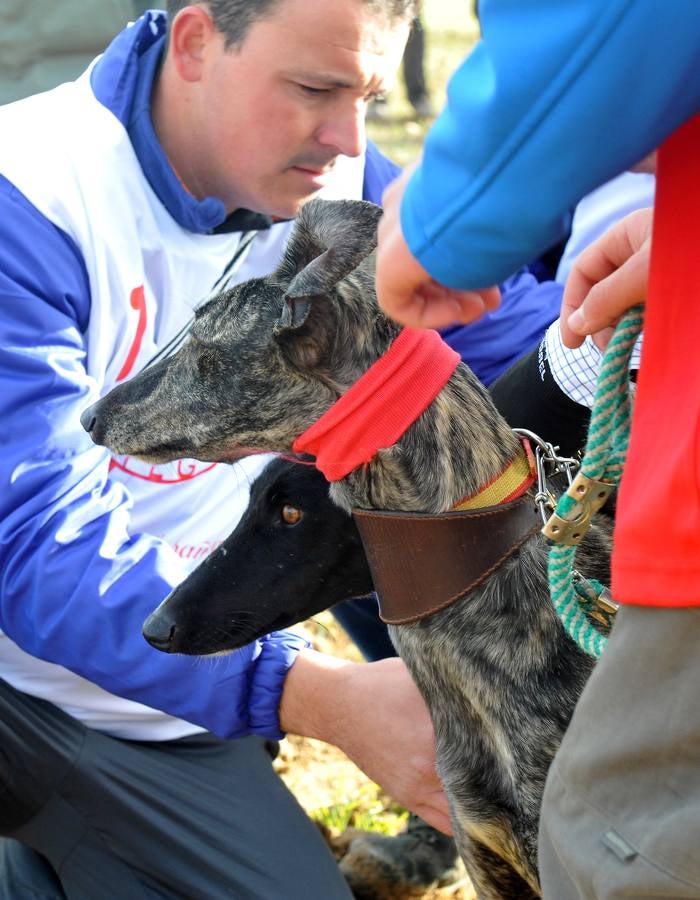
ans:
(293, 554)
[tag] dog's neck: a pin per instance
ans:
(456, 446)
(380, 407)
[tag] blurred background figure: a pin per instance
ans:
(413, 68)
(414, 71)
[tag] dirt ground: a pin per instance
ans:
(335, 793)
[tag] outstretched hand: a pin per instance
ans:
(405, 290)
(608, 277)
(375, 714)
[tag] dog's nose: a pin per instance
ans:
(160, 632)
(88, 419)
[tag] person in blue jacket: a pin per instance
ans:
(551, 103)
(496, 186)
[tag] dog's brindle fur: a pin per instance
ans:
(267, 359)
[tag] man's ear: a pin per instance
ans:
(191, 31)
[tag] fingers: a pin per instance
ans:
(406, 291)
(435, 817)
(608, 299)
(608, 278)
(431, 305)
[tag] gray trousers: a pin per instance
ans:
(621, 811)
(125, 820)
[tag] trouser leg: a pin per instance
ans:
(621, 810)
(194, 818)
(360, 619)
(26, 874)
(413, 63)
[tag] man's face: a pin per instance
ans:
(274, 113)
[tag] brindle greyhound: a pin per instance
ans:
(264, 362)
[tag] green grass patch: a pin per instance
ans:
(370, 810)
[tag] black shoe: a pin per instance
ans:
(379, 867)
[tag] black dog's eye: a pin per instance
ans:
(291, 515)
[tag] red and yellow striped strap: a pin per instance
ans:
(512, 483)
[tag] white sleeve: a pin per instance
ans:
(602, 208)
(576, 371)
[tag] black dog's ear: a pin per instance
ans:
(329, 240)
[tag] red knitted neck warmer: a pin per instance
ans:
(376, 411)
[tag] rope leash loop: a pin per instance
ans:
(600, 471)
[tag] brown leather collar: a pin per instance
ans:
(422, 563)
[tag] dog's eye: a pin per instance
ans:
(291, 515)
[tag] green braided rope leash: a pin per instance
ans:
(601, 469)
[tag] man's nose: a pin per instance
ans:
(345, 132)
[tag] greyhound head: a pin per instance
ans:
(265, 359)
(264, 575)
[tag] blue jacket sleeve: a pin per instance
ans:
(75, 585)
(557, 98)
(490, 345)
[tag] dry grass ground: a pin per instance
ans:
(335, 793)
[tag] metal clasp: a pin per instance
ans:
(598, 602)
(548, 464)
(589, 495)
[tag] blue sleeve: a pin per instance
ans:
(557, 98)
(379, 172)
(75, 585)
(490, 345)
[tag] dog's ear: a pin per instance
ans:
(329, 240)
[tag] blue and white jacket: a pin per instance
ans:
(103, 256)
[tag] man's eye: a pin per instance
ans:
(313, 91)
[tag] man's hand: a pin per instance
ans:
(406, 292)
(374, 713)
(607, 278)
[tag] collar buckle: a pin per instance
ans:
(549, 465)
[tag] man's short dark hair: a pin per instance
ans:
(234, 17)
